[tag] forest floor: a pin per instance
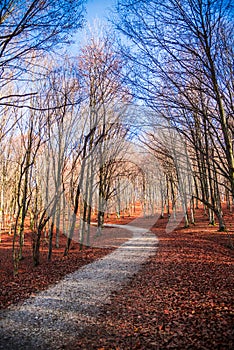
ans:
(182, 298)
(31, 280)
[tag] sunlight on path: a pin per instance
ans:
(54, 317)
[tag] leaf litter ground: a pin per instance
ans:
(181, 299)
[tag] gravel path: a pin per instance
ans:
(53, 318)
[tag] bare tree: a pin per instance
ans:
(30, 138)
(180, 63)
(100, 69)
(33, 26)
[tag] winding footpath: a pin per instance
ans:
(53, 318)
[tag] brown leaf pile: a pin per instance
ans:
(181, 299)
(31, 280)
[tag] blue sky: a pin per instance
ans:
(98, 8)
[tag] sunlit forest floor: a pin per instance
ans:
(31, 280)
(181, 299)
